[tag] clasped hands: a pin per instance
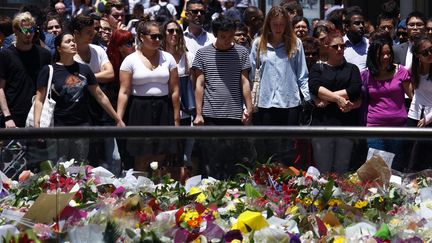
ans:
(344, 105)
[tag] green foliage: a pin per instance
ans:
(251, 191)
(112, 232)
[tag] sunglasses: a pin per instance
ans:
(427, 52)
(196, 11)
(171, 31)
(30, 30)
(129, 43)
(155, 36)
(337, 46)
(53, 27)
(404, 34)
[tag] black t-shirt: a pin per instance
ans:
(70, 91)
(345, 76)
(20, 70)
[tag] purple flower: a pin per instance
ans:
(233, 235)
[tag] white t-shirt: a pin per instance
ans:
(181, 65)
(98, 58)
(146, 82)
(152, 11)
(422, 97)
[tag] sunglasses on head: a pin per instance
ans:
(129, 43)
(427, 52)
(155, 36)
(196, 11)
(30, 30)
(337, 46)
(171, 31)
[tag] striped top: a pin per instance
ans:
(222, 80)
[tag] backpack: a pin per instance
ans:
(163, 14)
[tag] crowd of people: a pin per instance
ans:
(159, 64)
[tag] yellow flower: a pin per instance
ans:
(361, 204)
(339, 239)
(307, 201)
(334, 202)
(249, 220)
(318, 204)
(381, 199)
(292, 210)
(201, 198)
(354, 179)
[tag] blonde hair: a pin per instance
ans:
(22, 17)
(289, 37)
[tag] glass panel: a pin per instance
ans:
(249, 179)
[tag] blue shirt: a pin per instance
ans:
(356, 54)
(281, 77)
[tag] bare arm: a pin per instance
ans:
(39, 101)
(4, 106)
(175, 94)
(247, 113)
(407, 86)
(199, 93)
(124, 92)
(103, 100)
(343, 93)
(106, 75)
(327, 95)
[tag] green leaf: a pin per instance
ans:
(112, 232)
(245, 167)
(130, 233)
(269, 213)
(383, 233)
(251, 191)
(328, 192)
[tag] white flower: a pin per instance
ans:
(154, 165)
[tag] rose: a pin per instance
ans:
(25, 175)
(154, 165)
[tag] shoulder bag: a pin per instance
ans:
(187, 96)
(256, 82)
(306, 107)
(47, 116)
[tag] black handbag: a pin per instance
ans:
(187, 96)
(306, 112)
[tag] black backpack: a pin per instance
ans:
(163, 14)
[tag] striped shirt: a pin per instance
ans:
(223, 96)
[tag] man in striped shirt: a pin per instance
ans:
(223, 97)
(222, 85)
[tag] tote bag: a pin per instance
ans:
(47, 116)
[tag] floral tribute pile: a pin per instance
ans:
(270, 203)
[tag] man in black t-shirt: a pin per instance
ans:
(19, 67)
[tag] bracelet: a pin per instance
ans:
(7, 118)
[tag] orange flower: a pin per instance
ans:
(195, 222)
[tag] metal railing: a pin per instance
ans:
(217, 131)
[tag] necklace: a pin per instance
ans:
(151, 62)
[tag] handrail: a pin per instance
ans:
(217, 131)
